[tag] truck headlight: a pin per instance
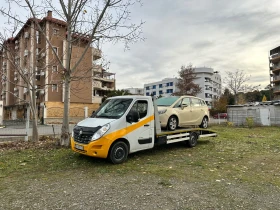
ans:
(162, 111)
(100, 132)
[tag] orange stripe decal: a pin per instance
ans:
(124, 131)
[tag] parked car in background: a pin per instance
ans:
(182, 111)
(220, 116)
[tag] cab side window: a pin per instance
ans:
(141, 107)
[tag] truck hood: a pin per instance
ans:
(94, 122)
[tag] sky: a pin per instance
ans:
(221, 34)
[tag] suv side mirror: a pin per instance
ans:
(132, 116)
(183, 106)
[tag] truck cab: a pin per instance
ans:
(124, 122)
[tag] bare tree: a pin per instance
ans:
(186, 83)
(93, 21)
(236, 82)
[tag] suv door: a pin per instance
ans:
(198, 110)
(141, 137)
(184, 112)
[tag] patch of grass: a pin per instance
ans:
(237, 154)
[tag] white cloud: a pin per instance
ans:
(225, 35)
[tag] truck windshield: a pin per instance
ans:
(167, 101)
(112, 108)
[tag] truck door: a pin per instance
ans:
(141, 136)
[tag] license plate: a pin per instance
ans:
(79, 147)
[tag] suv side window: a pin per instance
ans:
(178, 104)
(202, 103)
(186, 102)
(196, 102)
(141, 107)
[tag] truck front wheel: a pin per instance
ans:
(118, 152)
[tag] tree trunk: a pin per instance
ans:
(65, 135)
(35, 135)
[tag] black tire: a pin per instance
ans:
(118, 152)
(172, 123)
(204, 123)
(193, 140)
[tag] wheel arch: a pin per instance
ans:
(118, 140)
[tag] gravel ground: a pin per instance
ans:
(135, 191)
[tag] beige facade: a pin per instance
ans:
(29, 54)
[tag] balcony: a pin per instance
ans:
(276, 89)
(276, 79)
(96, 53)
(275, 58)
(96, 84)
(97, 68)
(105, 79)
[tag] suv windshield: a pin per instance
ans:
(112, 108)
(167, 101)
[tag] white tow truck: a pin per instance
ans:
(127, 124)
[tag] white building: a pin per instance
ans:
(211, 83)
(208, 79)
(135, 91)
(164, 87)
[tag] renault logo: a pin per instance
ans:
(81, 132)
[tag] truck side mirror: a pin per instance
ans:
(132, 116)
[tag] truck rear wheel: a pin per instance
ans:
(192, 142)
(118, 152)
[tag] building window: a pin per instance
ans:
(54, 69)
(154, 93)
(148, 88)
(147, 94)
(54, 87)
(55, 50)
(160, 92)
(171, 84)
(167, 84)
(154, 86)
(169, 90)
(160, 85)
(55, 31)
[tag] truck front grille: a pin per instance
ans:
(83, 135)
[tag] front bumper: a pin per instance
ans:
(98, 148)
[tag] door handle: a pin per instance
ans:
(147, 125)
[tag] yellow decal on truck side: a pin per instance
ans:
(100, 147)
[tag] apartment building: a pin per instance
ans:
(29, 55)
(208, 79)
(165, 87)
(211, 83)
(274, 70)
(135, 91)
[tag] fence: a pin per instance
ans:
(261, 115)
(19, 131)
